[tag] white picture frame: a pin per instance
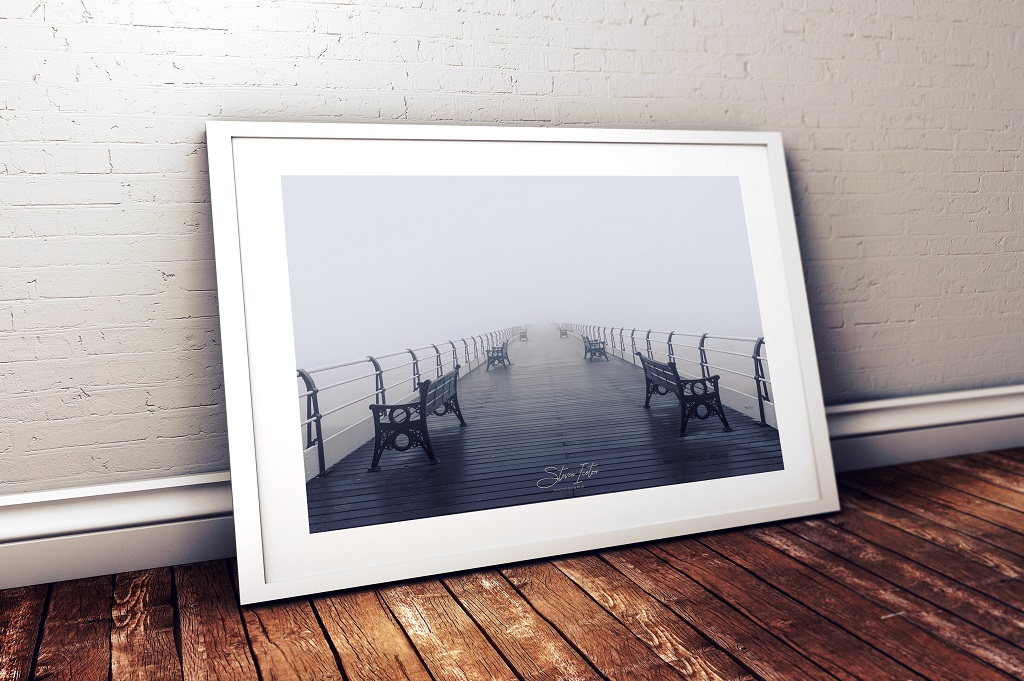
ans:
(278, 555)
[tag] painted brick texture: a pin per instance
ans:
(902, 122)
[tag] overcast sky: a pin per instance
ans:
(379, 264)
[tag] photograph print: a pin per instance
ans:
(466, 343)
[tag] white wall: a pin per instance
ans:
(902, 122)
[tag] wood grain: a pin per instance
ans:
(674, 641)
(142, 642)
(865, 619)
(368, 639)
(606, 643)
(1007, 518)
(753, 646)
(940, 513)
(527, 642)
(451, 645)
(964, 569)
(76, 633)
(841, 653)
(902, 603)
(21, 616)
(1000, 560)
(1002, 477)
(287, 642)
(985, 612)
(944, 473)
(214, 646)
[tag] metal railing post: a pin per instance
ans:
(415, 370)
(313, 412)
(671, 350)
(650, 353)
(380, 396)
(465, 351)
(705, 372)
(455, 354)
(759, 379)
(632, 341)
(440, 365)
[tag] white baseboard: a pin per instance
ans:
(72, 533)
(85, 531)
(901, 430)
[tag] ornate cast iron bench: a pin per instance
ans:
(498, 355)
(563, 333)
(522, 335)
(593, 348)
(698, 398)
(401, 426)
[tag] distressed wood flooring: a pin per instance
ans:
(919, 576)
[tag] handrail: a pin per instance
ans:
(313, 421)
(759, 375)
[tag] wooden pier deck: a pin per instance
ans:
(918, 577)
(552, 408)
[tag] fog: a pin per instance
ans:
(378, 264)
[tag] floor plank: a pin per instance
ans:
(451, 645)
(835, 649)
(369, 641)
(902, 603)
(529, 644)
(606, 643)
(963, 569)
(756, 648)
(919, 576)
(288, 643)
(21, 616)
(868, 621)
(214, 646)
(668, 635)
(975, 607)
(142, 638)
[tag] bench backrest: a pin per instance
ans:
(433, 394)
(661, 373)
(667, 377)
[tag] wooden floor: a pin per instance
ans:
(550, 409)
(919, 576)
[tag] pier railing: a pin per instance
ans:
(696, 355)
(341, 393)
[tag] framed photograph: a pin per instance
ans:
(452, 347)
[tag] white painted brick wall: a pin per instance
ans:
(902, 122)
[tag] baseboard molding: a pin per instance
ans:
(906, 429)
(81, 532)
(72, 533)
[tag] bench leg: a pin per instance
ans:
(721, 415)
(428, 448)
(652, 388)
(684, 413)
(453, 406)
(378, 449)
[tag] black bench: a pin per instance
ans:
(593, 348)
(563, 333)
(401, 426)
(522, 335)
(698, 398)
(498, 355)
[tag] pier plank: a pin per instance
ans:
(76, 633)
